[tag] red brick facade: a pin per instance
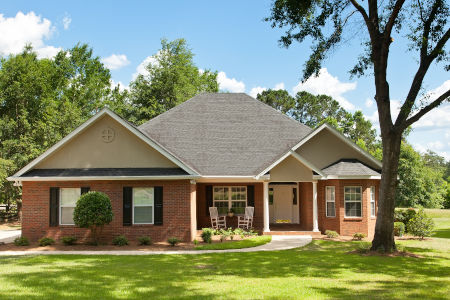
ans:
(176, 210)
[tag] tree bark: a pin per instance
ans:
(384, 228)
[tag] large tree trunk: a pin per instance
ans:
(384, 228)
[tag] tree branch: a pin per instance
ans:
(426, 109)
(426, 29)
(390, 24)
(363, 12)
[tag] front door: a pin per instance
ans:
(284, 208)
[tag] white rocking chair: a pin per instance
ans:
(216, 220)
(246, 221)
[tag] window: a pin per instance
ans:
(270, 196)
(68, 200)
(330, 201)
(294, 196)
(143, 202)
(352, 197)
(372, 201)
(230, 197)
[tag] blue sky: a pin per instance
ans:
(227, 36)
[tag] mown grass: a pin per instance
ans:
(247, 243)
(441, 219)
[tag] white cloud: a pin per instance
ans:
(116, 61)
(141, 67)
(395, 109)
(47, 51)
(438, 117)
(230, 84)
(329, 85)
(121, 86)
(16, 32)
(369, 102)
(279, 86)
(436, 147)
(257, 90)
(66, 21)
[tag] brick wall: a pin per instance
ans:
(176, 210)
(203, 219)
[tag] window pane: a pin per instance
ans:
(239, 193)
(222, 207)
(70, 196)
(143, 214)
(220, 193)
(67, 215)
(330, 193)
(353, 209)
(270, 196)
(238, 207)
(331, 209)
(143, 196)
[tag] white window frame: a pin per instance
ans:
(330, 200)
(372, 201)
(62, 206)
(353, 201)
(230, 201)
(153, 206)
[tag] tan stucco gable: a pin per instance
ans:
(89, 150)
(325, 148)
(291, 169)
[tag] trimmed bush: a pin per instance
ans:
(195, 242)
(421, 225)
(21, 241)
(173, 241)
(404, 215)
(93, 211)
(68, 240)
(145, 240)
(358, 236)
(331, 234)
(46, 241)
(207, 234)
(399, 228)
(120, 240)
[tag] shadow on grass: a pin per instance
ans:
(318, 267)
(442, 233)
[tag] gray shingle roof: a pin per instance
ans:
(349, 167)
(105, 172)
(225, 133)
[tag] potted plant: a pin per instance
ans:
(231, 213)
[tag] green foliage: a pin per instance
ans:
(69, 240)
(399, 228)
(172, 79)
(46, 241)
(404, 215)
(331, 234)
(120, 240)
(358, 236)
(207, 234)
(93, 210)
(21, 241)
(173, 241)
(196, 242)
(145, 240)
(421, 225)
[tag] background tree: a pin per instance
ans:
(172, 79)
(423, 22)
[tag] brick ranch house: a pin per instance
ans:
(223, 150)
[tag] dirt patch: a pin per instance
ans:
(393, 254)
(341, 238)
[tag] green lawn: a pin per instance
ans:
(441, 219)
(247, 243)
(321, 270)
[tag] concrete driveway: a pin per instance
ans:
(8, 236)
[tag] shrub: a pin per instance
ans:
(21, 241)
(331, 234)
(404, 215)
(46, 241)
(195, 242)
(421, 225)
(399, 228)
(363, 247)
(358, 236)
(207, 234)
(173, 241)
(120, 240)
(68, 240)
(145, 240)
(93, 211)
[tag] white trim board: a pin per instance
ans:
(85, 125)
(91, 178)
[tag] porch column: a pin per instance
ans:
(266, 206)
(315, 213)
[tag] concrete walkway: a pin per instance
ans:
(278, 243)
(8, 236)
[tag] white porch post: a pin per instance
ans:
(315, 213)
(266, 206)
